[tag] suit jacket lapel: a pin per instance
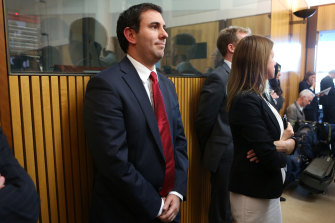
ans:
(134, 82)
(226, 67)
(298, 109)
(272, 117)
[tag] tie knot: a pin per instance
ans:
(153, 76)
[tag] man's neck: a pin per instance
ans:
(136, 57)
(229, 57)
(299, 103)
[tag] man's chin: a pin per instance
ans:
(159, 56)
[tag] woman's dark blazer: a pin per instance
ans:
(254, 126)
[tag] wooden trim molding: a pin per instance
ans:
(5, 120)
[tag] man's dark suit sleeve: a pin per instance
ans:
(19, 201)
(211, 97)
(326, 83)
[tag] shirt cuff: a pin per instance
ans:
(162, 204)
(177, 194)
(161, 209)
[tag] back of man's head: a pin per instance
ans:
(230, 35)
(332, 73)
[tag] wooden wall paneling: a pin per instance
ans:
(326, 17)
(288, 37)
(51, 143)
(49, 148)
(259, 24)
(195, 209)
(82, 149)
(16, 119)
(298, 37)
(39, 147)
(65, 122)
(58, 150)
(311, 42)
(185, 207)
(74, 146)
(5, 116)
(27, 127)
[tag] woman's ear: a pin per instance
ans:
(130, 35)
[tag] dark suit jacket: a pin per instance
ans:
(212, 126)
(327, 82)
(19, 201)
(254, 126)
(328, 101)
(124, 140)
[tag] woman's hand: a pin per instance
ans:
(251, 156)
(273, 94)
(285, 146)
(288, 132)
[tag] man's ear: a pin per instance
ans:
(231, 48)
(130, 35)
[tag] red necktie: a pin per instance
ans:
(164, 130)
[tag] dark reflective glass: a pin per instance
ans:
(79, 36)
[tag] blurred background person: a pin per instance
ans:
(275, 89)
(295, 111)
(328, 101)
(311, 110)
(183, 49)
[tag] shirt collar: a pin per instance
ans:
(300, 108)
(142, 70)
(228, 63)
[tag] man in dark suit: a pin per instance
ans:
(212, 126)
(328, 101)
(123, 133)
(19, 201)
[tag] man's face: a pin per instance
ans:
(151, 38)
(306, 100)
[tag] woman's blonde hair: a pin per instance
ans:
(249, 66)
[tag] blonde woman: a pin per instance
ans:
(255, 124)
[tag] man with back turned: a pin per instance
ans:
(212, 126)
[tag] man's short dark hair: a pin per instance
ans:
(131, 18)
(229, 35)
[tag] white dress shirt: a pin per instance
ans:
(144, 74)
